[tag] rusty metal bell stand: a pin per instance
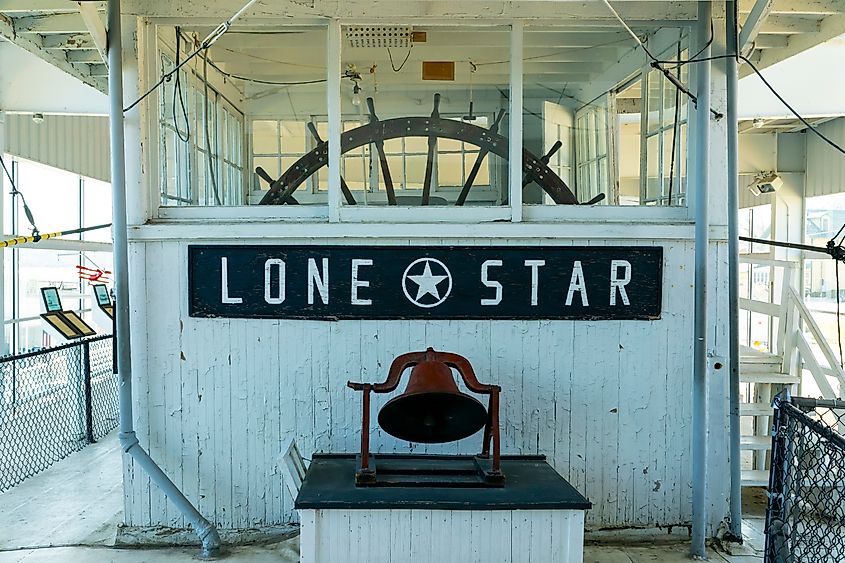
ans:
(432, 410)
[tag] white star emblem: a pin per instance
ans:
(427, 283)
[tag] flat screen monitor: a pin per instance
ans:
(102, 294)
(52, 302)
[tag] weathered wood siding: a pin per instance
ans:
(609, 402)
(442, 536)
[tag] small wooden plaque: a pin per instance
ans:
(438, 70)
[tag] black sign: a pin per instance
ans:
(419, 282)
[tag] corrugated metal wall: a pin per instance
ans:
(78, 144)
(825, 166)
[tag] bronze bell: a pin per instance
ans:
(432, 409)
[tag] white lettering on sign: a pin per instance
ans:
(491, 283)
(224, 284)
(535, 277)
(577, 283)
(356, 283)
(279, 298)
(316, 279)
(617, 284)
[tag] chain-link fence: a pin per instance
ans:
(52, 403)
(805, 520)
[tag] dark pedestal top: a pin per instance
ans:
(530, 484)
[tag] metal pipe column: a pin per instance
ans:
(735, 529)
(699, 378)
(128, 441)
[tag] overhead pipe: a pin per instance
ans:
(735, 524)
(702, 243)
(206, 531)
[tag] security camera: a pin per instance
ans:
(765, 184)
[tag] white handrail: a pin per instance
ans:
(795, 321)
(824, 346)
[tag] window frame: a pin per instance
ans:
(514, 211)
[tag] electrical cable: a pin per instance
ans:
(177, 90)
(675, 126)
(390, 56)
(772, 89)
(212, 37)
(15, 192)
(261, 81)
(656, 64)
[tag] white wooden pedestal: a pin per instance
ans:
(535, 517)
(441, 536)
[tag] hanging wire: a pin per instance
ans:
(16, 193)
(676, 124)
(177, 91)
(206, 43)
(656, 63)
(390, 56)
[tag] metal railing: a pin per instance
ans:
(805, 519)
(52, 403)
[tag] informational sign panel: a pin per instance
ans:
(425, 282)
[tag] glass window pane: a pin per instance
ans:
(449, 170)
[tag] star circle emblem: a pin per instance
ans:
(427, 282)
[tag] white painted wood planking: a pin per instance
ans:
(441, 536)
(557, 401)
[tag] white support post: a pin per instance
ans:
(701, 173)
(333, 100)
(4, 344)
(515, 124)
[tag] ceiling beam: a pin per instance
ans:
(33, 44)
(28, 6)
(95, 27)
(791, 24)
(215, 12)
(53, 23)
(830, 27)
(764, 41)
(69, 42)
(754, 23)
(84, 56)
(820, 7)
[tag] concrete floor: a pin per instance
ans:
(70, 512)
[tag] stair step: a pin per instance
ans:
(755, 478)
(768, 377)
(760, 368)
(755, 409)
(755, 442)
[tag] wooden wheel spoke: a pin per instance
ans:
(274, 184)
(432, 152)
(350, 200)
(476, 167)
(462, 197)
(385, 167)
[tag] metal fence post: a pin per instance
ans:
(86, 379)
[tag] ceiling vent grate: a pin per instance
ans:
(378, 36)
